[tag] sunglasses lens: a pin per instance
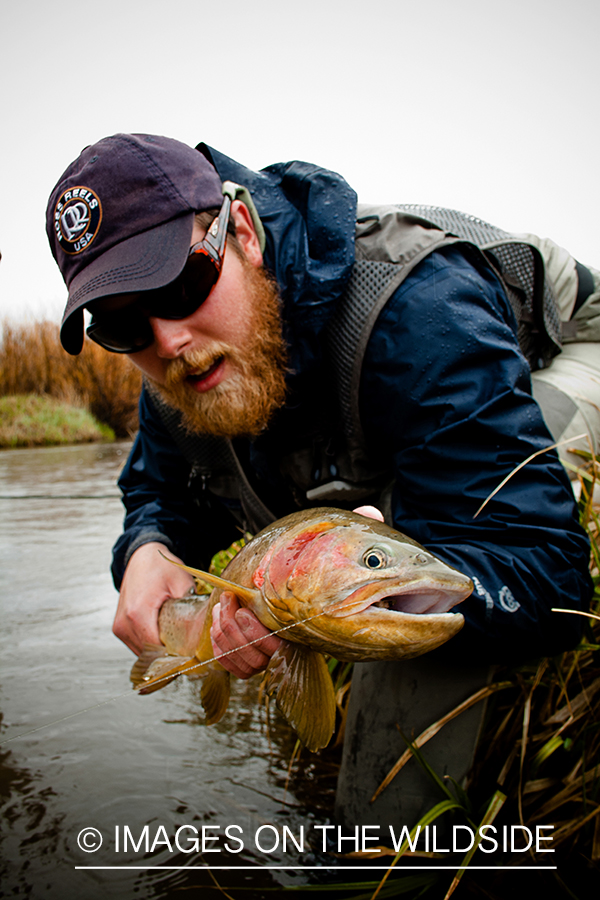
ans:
(186, 294)
(128, 330)
(199, 278)
(125, 332)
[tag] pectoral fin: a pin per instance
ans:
(304, 693)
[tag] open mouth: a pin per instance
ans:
(204, 380)
(421, 598)
(419, 602)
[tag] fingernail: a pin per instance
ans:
(244, 620)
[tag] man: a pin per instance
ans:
(250, 342)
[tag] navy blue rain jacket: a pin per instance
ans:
(445, 397)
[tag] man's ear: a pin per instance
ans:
(245, 233)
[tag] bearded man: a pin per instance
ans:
(285, 369)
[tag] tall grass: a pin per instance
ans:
(537, 764)
(32, 361)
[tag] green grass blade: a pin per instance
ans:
(496, 804)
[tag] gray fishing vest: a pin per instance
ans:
(390, 242)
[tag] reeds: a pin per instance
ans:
(32, 361)
(537, 764)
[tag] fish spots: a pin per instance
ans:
(339, 558)
(283, 562)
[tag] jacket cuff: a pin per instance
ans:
(147, 537)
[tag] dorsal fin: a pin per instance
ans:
(248, 594)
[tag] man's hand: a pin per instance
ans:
(232, 627)
(148, 581)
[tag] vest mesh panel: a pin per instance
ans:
(368, 282)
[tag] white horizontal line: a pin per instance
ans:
(342, 869)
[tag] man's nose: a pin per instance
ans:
(172, 337)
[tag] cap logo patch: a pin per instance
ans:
(77, 217)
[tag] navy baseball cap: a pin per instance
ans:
(120, 219)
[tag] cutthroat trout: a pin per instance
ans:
(350, 587)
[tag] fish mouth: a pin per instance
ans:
(423, 597)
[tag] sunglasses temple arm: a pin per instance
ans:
(214, 241)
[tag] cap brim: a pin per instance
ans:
(141, 263)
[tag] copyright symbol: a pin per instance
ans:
(89, 840)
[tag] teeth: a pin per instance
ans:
(202, 374)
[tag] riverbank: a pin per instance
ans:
(107, 385)
(31, 420)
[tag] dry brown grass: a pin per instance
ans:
(32, 361)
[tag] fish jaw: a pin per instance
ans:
(323, 584)
(377, 634)
(432, 594)
(371, 636)
(384, 619)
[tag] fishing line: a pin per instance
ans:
(171, 677)
(206, 662)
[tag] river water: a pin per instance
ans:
(136, 768)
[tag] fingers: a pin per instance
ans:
(234, 627)
(148, 581)
(371, 512)
(136, 625)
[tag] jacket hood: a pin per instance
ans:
(309, 217)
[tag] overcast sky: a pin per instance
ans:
(483, 106)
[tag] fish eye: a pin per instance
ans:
(375, 558)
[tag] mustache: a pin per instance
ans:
(195, 361)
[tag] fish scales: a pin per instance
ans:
(342, 585)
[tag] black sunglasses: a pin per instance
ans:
(127, 330)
